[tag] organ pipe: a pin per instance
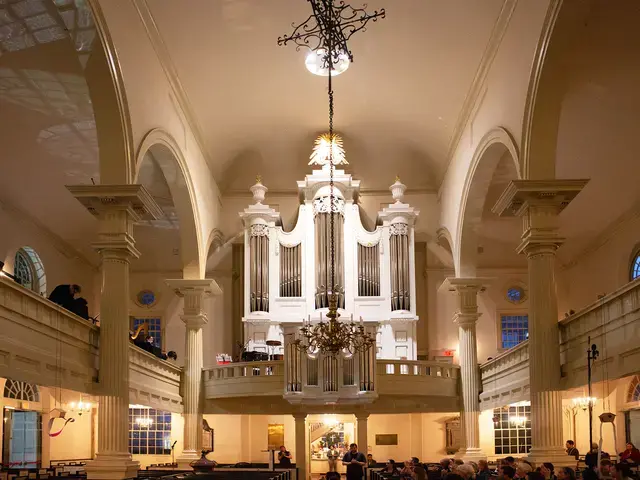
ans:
(290, 271)
(399, 252)
(368, 271)
(323, 258)
(259, 268)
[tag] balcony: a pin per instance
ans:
(44, 344)
(321, 384)
(612, 323)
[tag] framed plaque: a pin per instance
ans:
(275, 436)
(387, 439)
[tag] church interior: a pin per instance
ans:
(239, 236)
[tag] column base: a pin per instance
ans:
(471, 454)
(556, 455)
(115, 466)
(186, 457)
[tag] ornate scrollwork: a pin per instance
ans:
(330, 25)
(321, 205)
(399, 229)
(259, 230)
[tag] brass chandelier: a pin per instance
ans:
(326, 32)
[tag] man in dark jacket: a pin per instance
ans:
(64, 295)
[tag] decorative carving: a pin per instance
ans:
(259, 230)
(321, 205)
(399, 229)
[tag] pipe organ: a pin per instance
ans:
(288, 276)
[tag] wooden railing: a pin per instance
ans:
(42, 343)
(245, 379)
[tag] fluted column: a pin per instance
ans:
(539, 203)
(194, 316)
(301, 445)
(467, 290)
(117, 208)
(362, 431)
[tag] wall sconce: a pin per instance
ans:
(80, 407)
(518, 421)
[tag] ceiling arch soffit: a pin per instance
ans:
(111, 109)
(169, 157)
(491, 148)
(548, 84)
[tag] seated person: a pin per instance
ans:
(371, 463)
(65, 295)
(390, 468)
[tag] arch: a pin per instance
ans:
(29, 270)
(633, 391)
(548, 84)
(634, 264)
(493, 146)
(168, 156)
(24, 391)
(110, 106)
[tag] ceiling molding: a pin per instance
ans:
(24, 218)
(182, 102)
(476, 88)
(605, 235)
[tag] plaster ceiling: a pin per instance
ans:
(260, 110)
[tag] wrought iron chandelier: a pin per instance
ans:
(326, 32)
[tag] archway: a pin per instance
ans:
(161, 168)
(494, 164)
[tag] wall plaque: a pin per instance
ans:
(387, 439)
(275, 436)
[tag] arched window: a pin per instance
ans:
(635, 266)
(633, 393)
(21, 391)
(29, 271)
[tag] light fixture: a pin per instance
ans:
(326, 147)
(326, 33)
(585, 402)
(330, 421)
(144, 422)
(80, 407)
(315, 63)
(518, 421)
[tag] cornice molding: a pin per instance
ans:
(171, 73)
(476, 88)
(22, 217)
(361, 193)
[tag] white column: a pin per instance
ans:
(194, 316)
(301, 445)
(117, 207)
(361, 432)
(466, 317)
(539, 204)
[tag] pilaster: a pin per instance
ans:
(117, 208)
(301, 445)
(539, 203)
(467, 290)
(194, 293)
(362, 423)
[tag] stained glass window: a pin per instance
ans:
(514, 330)
(149, 431)
(512, 429)
(515, 294)
(635, 267)
(155, 328)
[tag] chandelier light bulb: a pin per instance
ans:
(315, 63)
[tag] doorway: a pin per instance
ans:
(22, 439)
(632, 421)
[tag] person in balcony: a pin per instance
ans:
(631, 454)
(354, 461)
(65, 295)
(284, 457)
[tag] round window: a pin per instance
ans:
(515, 294)
(146, 298)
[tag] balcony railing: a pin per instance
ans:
(505, 378)
(245, 379)
(42, 343)
(613, 323)
(153, 382)
(409, 377)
